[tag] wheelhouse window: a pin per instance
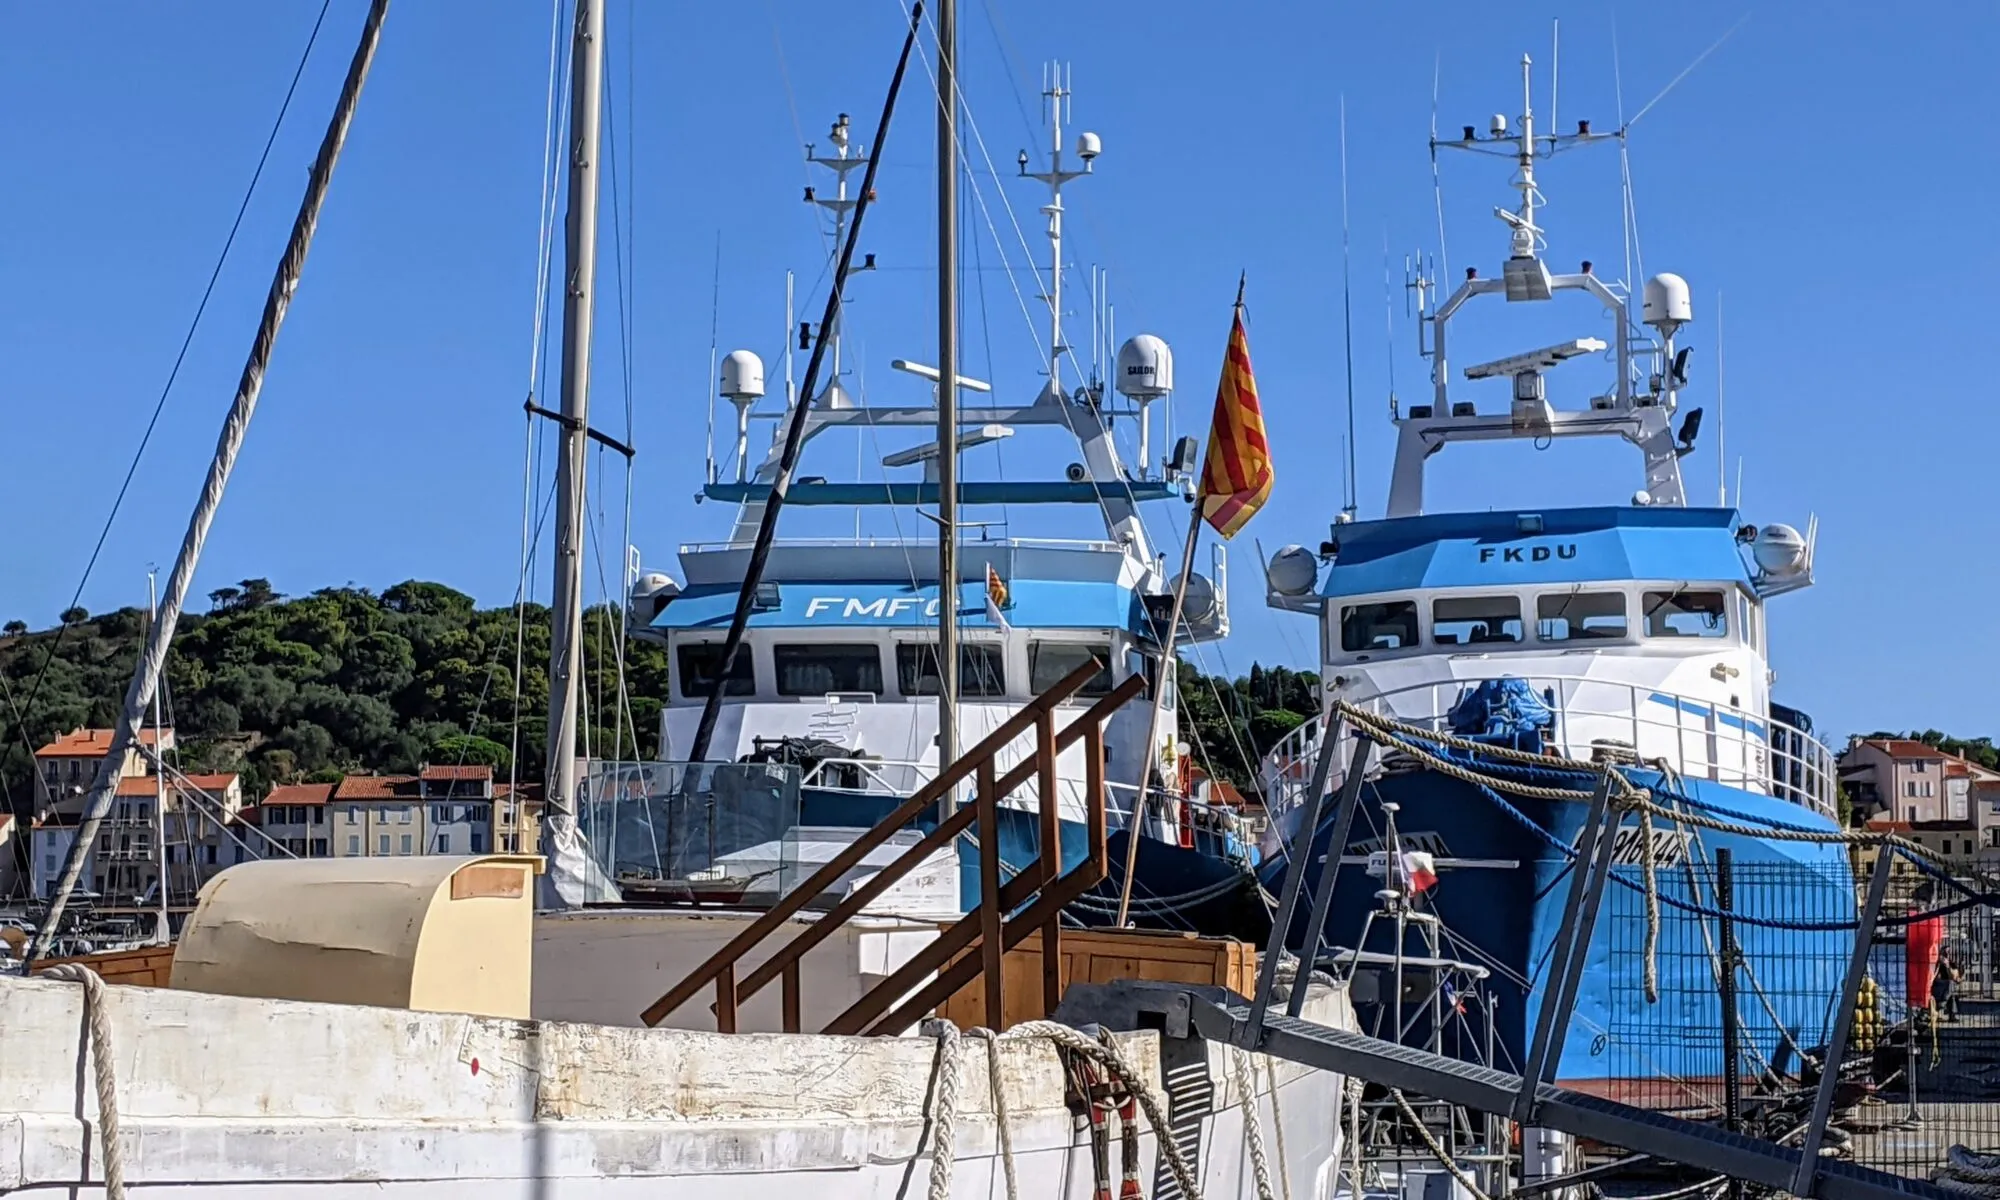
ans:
(980, 669)
(1687, 614)
(698, 664)
(818, 668)
(1050, 662)
(1389, 625)
(1476, 620)
(1580, 616)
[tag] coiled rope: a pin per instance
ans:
(944, 1112)
(1969, 1171)
(103, 1065)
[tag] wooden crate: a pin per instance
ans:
(1105, 956)
(149, 966)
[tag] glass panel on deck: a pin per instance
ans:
(818, 668)
(1687, 614)
(1390, 625)
(980, 671)
(1580, 616)
(1050, 662)
(1476, 620)
(697, 663)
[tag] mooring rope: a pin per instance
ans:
(103, 1067)
(1253, 1133)
(944, 1113)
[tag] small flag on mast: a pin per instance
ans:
(1237, 474)
(996, 598)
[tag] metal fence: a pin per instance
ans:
(723, 831)
(1746, 1047)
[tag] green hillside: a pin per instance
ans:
(342, 680)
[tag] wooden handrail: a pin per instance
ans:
(795, 901)
(947, 830)
(944, 955)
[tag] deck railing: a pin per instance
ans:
(973, 947)
(1598, 718)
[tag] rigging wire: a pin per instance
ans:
(166, 390)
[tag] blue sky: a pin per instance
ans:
(1825, 172)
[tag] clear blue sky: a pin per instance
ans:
(1828, 171)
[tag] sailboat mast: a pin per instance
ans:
(165, 931)
(565, 881)
(947, 392)
(235, 427)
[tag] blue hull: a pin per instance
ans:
(1200, 888)
(1616, 1039)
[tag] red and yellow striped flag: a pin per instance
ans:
(1237, 474)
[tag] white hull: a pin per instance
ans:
(281, 1100)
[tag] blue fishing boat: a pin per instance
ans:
(832, 713)
(1630, 636)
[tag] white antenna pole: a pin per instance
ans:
(1555, 71)
(1056, 91)
(1389, 319)
(714, 321)
(1349, 493)
(1721, 416)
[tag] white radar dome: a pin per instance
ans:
(1198, 606)
(1293, 571)
(742, 376)
(1779, 550)
(1667, 301)
(651, 593)
(1145, 368)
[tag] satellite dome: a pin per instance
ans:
(1293, 571)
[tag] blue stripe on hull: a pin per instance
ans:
(1509, 918)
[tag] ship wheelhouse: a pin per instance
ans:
(1641, 629)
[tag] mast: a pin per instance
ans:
(1056, 91)
(165, 932)
(567, 883)
(235, 427)
(947, 391)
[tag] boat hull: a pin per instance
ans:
(1508, 910)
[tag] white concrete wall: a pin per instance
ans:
(607, 967)
(284, 1100)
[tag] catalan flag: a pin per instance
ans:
(1236, 476)
(996, 597)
